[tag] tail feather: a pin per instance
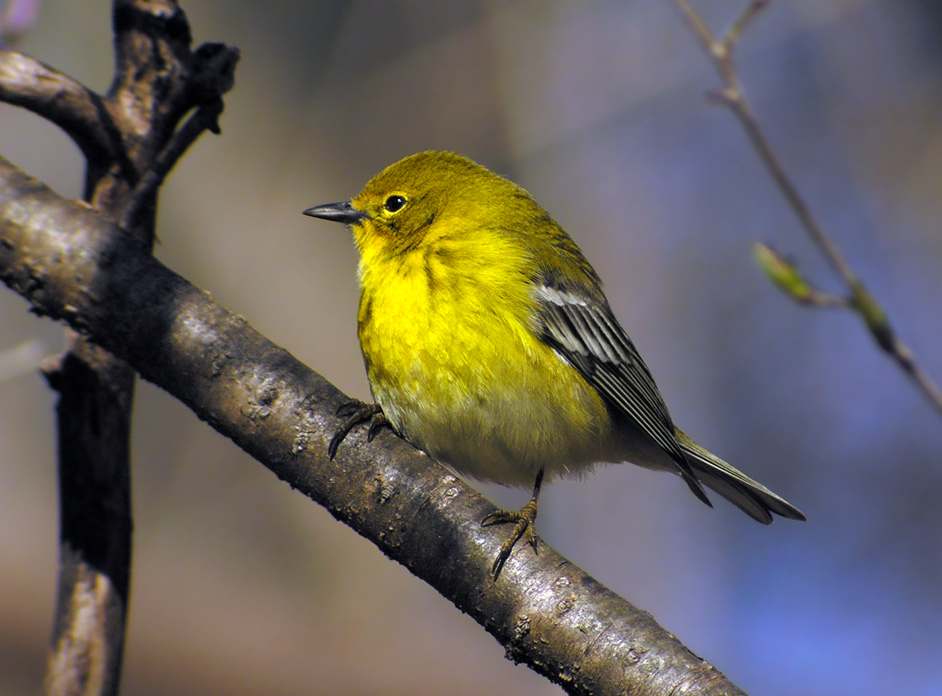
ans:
(751, 497)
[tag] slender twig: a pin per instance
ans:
(731, 94)
(77, 110)
(142, 195)
(212, 75)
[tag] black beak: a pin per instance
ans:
(337, 212)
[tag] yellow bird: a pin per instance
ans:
(489, 343)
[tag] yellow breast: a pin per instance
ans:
(452, 358)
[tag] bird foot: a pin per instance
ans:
(524, 522)
(357, 412)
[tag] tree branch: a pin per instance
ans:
(73, 265)
(721, 52)
(77, 110)
(131, 140)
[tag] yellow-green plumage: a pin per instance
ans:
(489, 343)
(446, 331)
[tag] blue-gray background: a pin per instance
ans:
(242, 586)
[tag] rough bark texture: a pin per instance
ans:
(93, 417)
(130, 139)
(72, 265)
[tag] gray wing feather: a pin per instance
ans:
(587, 335)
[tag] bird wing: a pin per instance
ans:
(585, 332)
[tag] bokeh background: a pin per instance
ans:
(242, 586)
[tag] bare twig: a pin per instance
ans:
(212, 76)
(77, 110)
(142, 195)
(721, 52)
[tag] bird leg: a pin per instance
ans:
(524, 522)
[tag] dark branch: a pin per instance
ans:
(206, 118)
(95, 519)
(72, 265)
(131, 139)
(78, 111)
(212, 76)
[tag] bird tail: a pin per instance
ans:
(751, 497)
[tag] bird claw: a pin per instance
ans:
(378, 423)
(356, 412)
(524, 522)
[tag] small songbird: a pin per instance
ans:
(489, 343)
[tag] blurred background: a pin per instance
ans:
(243, 586)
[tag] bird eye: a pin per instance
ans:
(394, 203)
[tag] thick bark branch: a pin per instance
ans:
(131, 138)
(72, 265)
(93, 417)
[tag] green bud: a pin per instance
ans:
(783, 273)
(875, 317)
